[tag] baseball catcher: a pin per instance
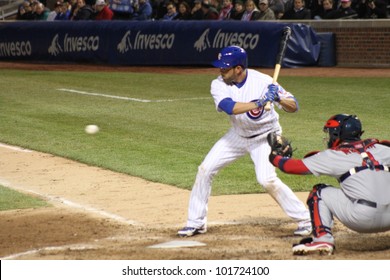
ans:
(361, 166)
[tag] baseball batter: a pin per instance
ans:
(362, 202)
(241, 93)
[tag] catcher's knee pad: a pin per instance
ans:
(313, 202)
(316, 192)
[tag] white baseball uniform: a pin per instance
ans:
(247, 135)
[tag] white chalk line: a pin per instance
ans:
(15, 148)
(74, 205)
(70, 204)
(75, 247)
(127, 98)
(72, 247)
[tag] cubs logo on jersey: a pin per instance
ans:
(255, 113)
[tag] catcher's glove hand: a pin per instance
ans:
(280, 145)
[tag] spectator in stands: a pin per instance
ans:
(25, 11)
(56, 9)
(298, 11)
(217, 4)
(73, 7)
(122, 9)
(315, 7)
(372, 9)
(184, 12)
(63, 11)
(226, 10)
(196, 12)
(288, 5)
(33, 4)
(82, 11)
(327, 11)
(103, 12)
(159, 8)
(265, 12)
(345, 11)
(277, 6)
(238, 11)
(49, 4)
(41, 12)
(251, 11)
(143, 10)
(209, 12)
(171, 12)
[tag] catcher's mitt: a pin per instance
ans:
(280, 145)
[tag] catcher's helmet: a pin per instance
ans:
(230, 57)
(343, 127)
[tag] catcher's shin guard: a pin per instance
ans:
(313, 202)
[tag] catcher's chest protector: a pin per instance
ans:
(361, 147)
(369, 162)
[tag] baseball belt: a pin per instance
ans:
(366, 203)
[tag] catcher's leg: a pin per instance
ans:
(313, 201)
(322, 219)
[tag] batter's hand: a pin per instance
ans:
(272, 93)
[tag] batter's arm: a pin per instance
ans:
(289, 104)
(231, 107)
(240, 107)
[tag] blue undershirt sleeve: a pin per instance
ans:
(227, 105)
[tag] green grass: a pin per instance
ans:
(166, 141)
(10, 199)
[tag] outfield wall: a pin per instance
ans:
(155, 42)
(359, 43)
(346, 43)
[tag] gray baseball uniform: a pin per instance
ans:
(362, 203)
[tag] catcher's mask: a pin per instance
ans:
(230, 57)
(342, 127)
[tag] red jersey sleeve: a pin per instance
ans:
(290, 166)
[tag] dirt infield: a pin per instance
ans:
(99, 214)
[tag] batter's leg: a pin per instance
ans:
(283, 195)
(226, 150)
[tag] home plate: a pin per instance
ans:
(177, 244)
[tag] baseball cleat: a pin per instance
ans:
(304, 230)
(191, 231)
(313, 247)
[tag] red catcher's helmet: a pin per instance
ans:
(343, 127)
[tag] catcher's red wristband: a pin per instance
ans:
(289, 165)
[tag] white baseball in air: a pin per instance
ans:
(91, 129)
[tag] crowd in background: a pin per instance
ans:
(248, 10)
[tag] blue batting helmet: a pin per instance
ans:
(230, 57)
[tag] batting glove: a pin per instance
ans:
(261, 102)
(272, 93)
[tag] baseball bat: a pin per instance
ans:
(279, 59)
